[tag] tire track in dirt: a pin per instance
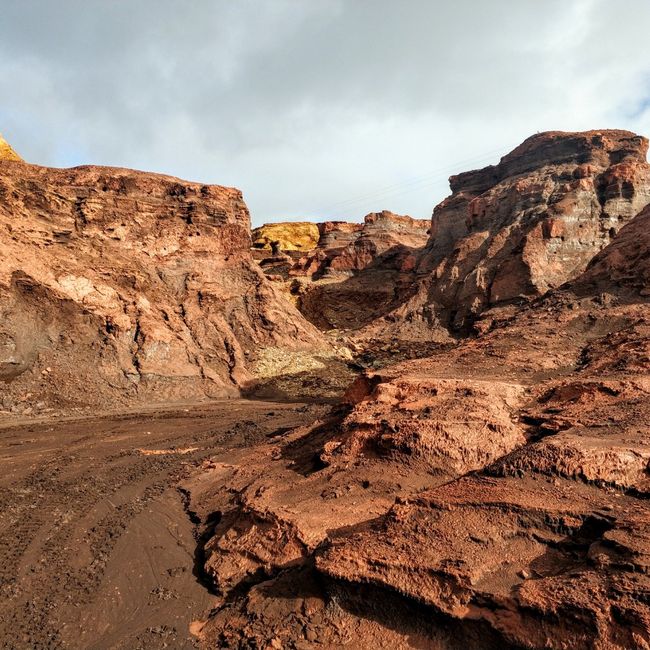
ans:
(96, 550)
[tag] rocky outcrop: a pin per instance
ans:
(289, 236)
(489, 492)
(119, 287)
(347, 248)
(516, 469)
(337, 235)
(513, 231)
(340, 248)
(548, 544)
(357, 272)
(548, 563)
(6, 151)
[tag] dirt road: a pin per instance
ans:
(96, 550)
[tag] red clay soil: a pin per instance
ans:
(96, 548)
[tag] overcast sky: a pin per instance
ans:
(315, 108)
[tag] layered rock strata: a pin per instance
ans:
(119, 287)
(356, 273)
(513, 231)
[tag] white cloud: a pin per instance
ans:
(308, 106)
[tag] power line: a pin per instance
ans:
(410, 185)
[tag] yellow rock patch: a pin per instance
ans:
(6, 152)
(293, 236)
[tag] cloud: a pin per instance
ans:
(328, 108)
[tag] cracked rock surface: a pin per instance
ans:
(490, 494)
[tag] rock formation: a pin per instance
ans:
(345, 248)
(357, 272)
(6, 152)
(119, 287)
(548, 544)
(290, 235)
(484, 482)
(512, 231)
(492, 494)
(507, 234)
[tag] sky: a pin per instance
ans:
(315, 109)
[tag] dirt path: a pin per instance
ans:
(96, 550)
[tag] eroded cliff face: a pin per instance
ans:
(535, 220)
(356, 273)
(513, 231)
(341, 248)
(119, 287)
(348, 248)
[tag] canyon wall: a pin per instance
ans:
(512, 231)
(119, 287)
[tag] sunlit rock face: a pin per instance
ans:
(287, 236)
(119, 286)
(6, 151)
(512, 231)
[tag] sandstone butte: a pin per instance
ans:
(483, 483)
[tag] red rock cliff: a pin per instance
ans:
(120, 286)
(513, 231)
